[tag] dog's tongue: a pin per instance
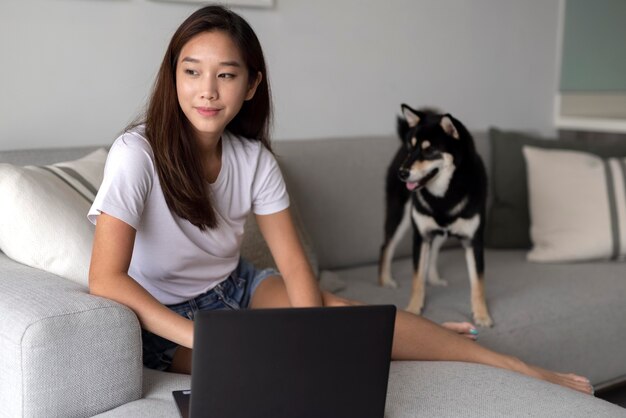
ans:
(411, 186)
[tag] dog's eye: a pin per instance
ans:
(429, 152)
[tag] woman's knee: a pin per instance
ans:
(334, 300)
(270, 293)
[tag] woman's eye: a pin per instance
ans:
(227, 75)
(190, 72)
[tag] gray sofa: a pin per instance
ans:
(67, 353)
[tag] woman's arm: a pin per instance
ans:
(108, 277)
(282, 239)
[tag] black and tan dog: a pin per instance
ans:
(436, 182)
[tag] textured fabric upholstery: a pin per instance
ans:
(565, 317)
(44, 156)
(64, 352)
(452, 390)
(423, 389)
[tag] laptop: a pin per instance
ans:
(293, 362)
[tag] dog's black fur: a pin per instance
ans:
(438, 180)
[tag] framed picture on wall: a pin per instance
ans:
(248, 3)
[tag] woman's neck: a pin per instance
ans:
(210, 148)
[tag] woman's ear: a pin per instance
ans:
(253, 86)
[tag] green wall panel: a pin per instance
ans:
(594, 46)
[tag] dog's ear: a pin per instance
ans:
(448, 127)
(410, 115)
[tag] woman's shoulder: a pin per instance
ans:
(132, 146)
(245, 148)
(133, 140)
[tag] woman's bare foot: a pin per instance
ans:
(569, 380)
(462, 328)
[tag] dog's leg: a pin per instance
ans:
(399, 228)
(475, 267)
(421, 248)
(433, 271)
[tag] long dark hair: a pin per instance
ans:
(176, 155)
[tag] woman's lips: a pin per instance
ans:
(207, 111)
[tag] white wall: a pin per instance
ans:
(76, 72)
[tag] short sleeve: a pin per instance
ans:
(269, 193)
(127, 181)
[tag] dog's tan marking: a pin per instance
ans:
(425, 144)
(416, 302)
(448, 127)
(421, 168)
(479, 305)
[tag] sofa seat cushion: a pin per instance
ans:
(559, 316)
(429, 389)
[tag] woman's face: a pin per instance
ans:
(212, 83)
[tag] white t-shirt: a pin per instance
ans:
(173, 259)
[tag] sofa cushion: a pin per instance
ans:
(560, 316)
(423, 388)
(255, 249)
(508, 220)
(42, 218)
(577, 205)
(340, 197)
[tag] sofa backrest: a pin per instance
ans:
(43, 156)
(337, 185)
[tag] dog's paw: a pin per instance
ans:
(415, 307)
(388, 282)
(437, 281)
(483, 320)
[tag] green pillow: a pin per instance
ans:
(508, 220)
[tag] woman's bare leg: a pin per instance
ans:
(181, 363)
(417, 338)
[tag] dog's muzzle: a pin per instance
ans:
(421, 182)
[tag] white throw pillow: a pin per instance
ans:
(577, 205)
(43, 221)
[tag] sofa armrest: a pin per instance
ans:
(63, 352)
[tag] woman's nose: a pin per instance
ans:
(209, 91)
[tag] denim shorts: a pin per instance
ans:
(233, 293)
